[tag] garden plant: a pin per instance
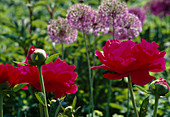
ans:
(84, 58)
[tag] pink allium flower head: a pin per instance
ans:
(79, 17)
(139, 13)
(127, 26)
(60, 31)
(159, 87)
(158, 7)
(59, 77)
(97, 25)
(110, 9)
(125, 58)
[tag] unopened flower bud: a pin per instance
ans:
(36, 56)
(159, 87)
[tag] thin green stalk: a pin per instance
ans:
(62, 44)
(109, 97)
(41, 110)
(128, 104)
(1, 103)
(43, 90)
(132, 96)
(90, 79)
(94, 57)
(156, 106)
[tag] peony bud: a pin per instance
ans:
(36, 56)
(159, 87)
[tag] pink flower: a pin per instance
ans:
(59, 77)
(126, 57)
(9, 73)
(36, 56)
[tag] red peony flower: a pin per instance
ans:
(126, 57)
(9, 73)
(59, 77)
(36, 56)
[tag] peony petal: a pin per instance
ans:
(103, 66)
(158, 65)
(115, 76)
(141, 77)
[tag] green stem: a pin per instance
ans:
(62, 44)
(156, 106)
(132, 96)
(128, 104)
(43, 90)
(1, 103)
(90, 79)
(94, 57)
(41, 110)
(108, 99)
(58, 108)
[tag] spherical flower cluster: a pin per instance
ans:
(158, 7)
(127, 26)
(110, 9)
(59, 77)
(125, 58)
(36, 56)
(159, 87)
(139, 13)
(10, 74)
(79, 17)
(97, 25)
(60, 31)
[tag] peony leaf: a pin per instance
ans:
(19, 86)
(141, 89)
(51, 58)
(168, 94)
(40, 97)
(20, 63)
(144, 107)
(74, 102)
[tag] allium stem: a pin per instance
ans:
(90, 78)
(62, 44)
(43, 90)
(108, 99)
(156, 106)
(132, 96)
(94, 57)
(1, 103)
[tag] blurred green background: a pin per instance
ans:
(16, 37)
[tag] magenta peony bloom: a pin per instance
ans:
(127, 26)
(125, 57)
(79, 17)
(110, 9)
(59, 77)
(139, 13)
(10, 74)
(60, 31)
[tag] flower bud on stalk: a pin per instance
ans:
(36, 56)
(159, 87)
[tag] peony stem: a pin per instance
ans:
(156, 106)
(43, 90)
(108, 99)
(41, 110)
(90, 79)
(132, 96)
(1, 103)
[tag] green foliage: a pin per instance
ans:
(16, 37)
